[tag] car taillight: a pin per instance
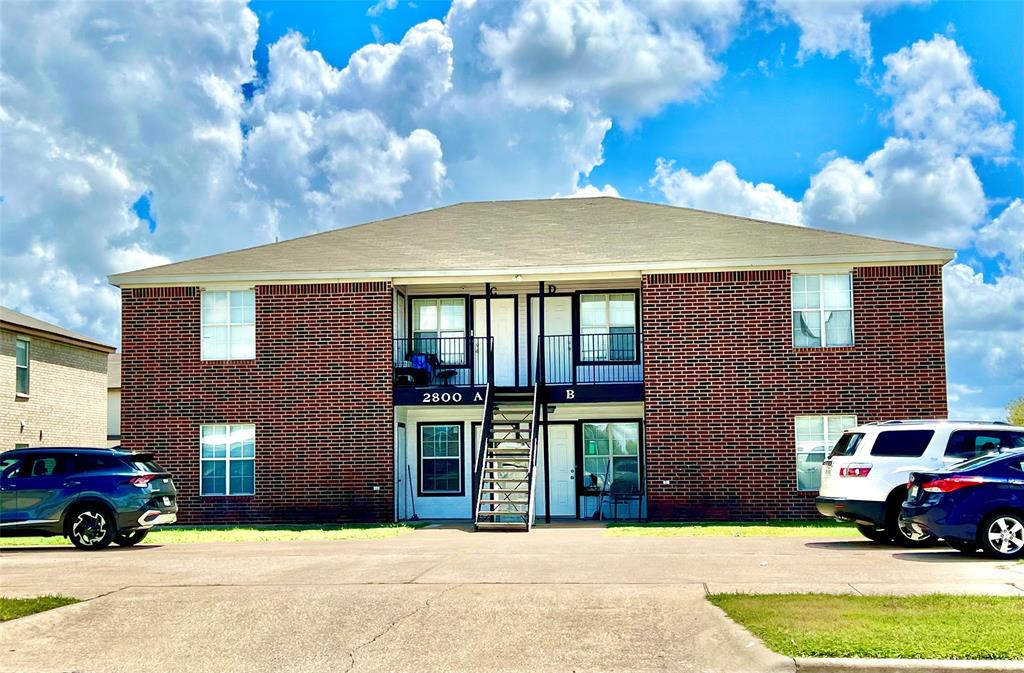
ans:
(950, 484)
(855, 470)
(141, 482)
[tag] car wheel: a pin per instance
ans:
(872, 533)
(904, 535)
(130, 538)
(962, 547)
(1002, 536)
(91, 527)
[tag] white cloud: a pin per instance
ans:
(631, 59)
(936, 97)
(910, 190)
(831, 28)
(590, 191)
(1005, 235)
(722, 190)
(381, 7)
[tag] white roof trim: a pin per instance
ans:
(534, 273)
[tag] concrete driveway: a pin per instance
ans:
(443, 599)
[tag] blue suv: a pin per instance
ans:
(92, 496)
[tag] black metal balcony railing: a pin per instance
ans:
(440, 361)
(571, 359)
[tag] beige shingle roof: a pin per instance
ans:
(540, 234)
(19, 322)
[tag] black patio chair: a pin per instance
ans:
(625, 491)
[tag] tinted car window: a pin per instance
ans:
(903, 443)
(44, 466)
(847, 444)
(8, 466)
(973, 443)
(95, 463)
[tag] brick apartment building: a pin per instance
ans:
(56, 384)
(513, 361)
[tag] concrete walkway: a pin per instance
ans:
(557, 599)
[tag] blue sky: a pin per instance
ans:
(134, 135)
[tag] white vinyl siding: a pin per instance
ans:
(229, 325)
(822, 300)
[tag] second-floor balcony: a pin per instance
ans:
(569, 359)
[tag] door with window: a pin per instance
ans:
(41, 486)
(503, 330)
(561, 460)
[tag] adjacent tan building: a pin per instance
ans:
(53, 383)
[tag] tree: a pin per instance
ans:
(1015, 411)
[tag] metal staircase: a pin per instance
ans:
(507, 458)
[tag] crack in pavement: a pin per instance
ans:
(426, 604)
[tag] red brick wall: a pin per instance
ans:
(319, 393)
(723, 382)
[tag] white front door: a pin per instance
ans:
(503, 329)
(557, 338)
(563, 472)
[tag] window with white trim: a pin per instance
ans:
(822, 300)
(607, 327)
(441, 459)
(21, 363)
(439, 327)
(815, 437)
(229, 325)
(227, 459)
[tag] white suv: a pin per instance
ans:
(864, 479)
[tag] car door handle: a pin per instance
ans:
(72, 483)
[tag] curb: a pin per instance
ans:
(827, 665)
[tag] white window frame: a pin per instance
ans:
(829, 440)
(203, 324)
(461, 489)
(606, 328)
(822, 310)
(27, 366)
(227, 460)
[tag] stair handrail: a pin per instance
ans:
(538, 387)
(485, 434)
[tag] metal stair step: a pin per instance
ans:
(502, 513)
(510, 470)
(501, 525)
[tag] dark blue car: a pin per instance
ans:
(977, 504)
(91, 496)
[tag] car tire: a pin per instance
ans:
(91, 527)
(130, 538)
(962, 547)
(899, 533)
(1001, 535)
(872, 533)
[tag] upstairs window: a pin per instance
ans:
(439, 327)
(822, 311)
(21, 367)
(229, 325)
(607, 327)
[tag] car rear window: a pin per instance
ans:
(902, 443)
(87, 463)
(143, 462)
(847, 444)
(973, 443)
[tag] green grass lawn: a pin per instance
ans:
(12, 608)
(933, 626)
(267, 533)
(824, 528)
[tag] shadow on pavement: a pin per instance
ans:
(42, 549)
